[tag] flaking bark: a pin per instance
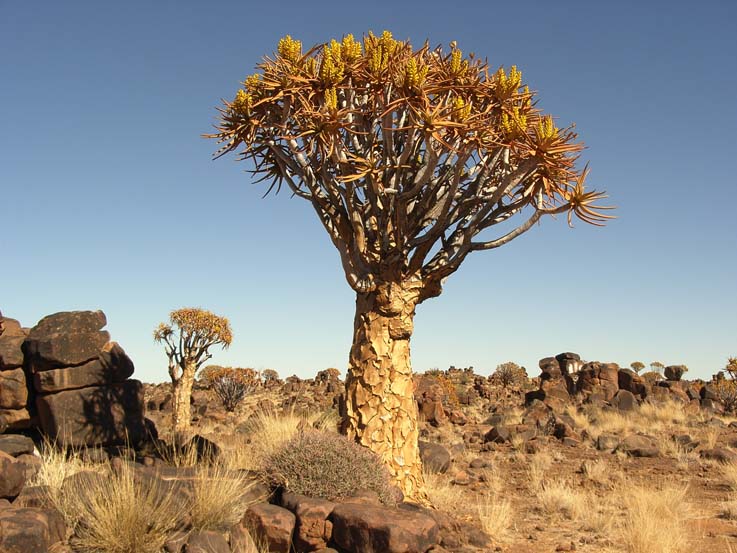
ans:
(380, 408)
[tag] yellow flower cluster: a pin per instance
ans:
(461, 110)
(332, 66)
(252, 82)
(379, 50)
(331, 98)
(351, 49)
(242, 102)
(290, 49)
(414, 74)
(546, 129)
(515, 123)
(506, 85)
(458, 65)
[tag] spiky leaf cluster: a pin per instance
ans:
(407, 155)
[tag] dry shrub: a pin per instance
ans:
(655, 520)
(220, 497)
(268, 431)
(232, 385)
(509, 374)
(114, 513)
(495, 514)
(329, 466)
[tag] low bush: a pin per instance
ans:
(509, 374)
(233, 385)
(329, 466)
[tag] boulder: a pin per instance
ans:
(719, 454)
(111, 366)
(11, 354)
(624, 401)
(435, 457)
(14, 419)
(98, 415)
(674, 372)
(12, 476)
(630, 381)
(16, 444)
(27, 530)
(312, 530)
(271, 525)
(636, 445)
(206, 541)
(13, 389)
(65, 339)
(361, 528)
(429, 396)
(241, 541)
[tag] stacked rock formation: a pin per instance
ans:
(80, 381)
(14, 412)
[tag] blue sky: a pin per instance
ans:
(109, 198)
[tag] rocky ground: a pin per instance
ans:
(566, 472)
(585, 457)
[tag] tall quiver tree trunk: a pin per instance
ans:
(380, 408)
(182, 394)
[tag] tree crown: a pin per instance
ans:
(190, 334)
(407, 155)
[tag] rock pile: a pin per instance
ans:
(14, 412)
(80, 381)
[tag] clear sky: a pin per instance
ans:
(109, 198)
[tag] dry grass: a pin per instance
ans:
(669, 447)
(729, 508)
(655, 520)
(444, 495)
(711, 437)
(495, 514)
(729, 470)
(220, 497)
(113, 513)
(560, 497)
(597, 471)
(539, 464)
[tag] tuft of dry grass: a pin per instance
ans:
(539, 464)
(444, 495)
(729, 470)
(655, 520)
(560, 497)
(597, 471)
(220, 497)
(113, 513)
(711, 437)
(669, 447)
(729, 508)
(495, 514)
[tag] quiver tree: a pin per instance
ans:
(411, 158)
(187, 338)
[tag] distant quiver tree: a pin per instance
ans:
(187, 339)
(411, 158)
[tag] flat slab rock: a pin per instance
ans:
(16, 444)
(66, 339)
(112, 365)
(30, 530)
(362, 528)
(98, 415)
(13, 389)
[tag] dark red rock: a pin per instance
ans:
(11, 354)
(435, 457)
(112, 366)
(13, 389)
(12, 476)
(363, 528)
(206, 541)
(313, 530)
(99, 415)
(271, 525)
(16, 444)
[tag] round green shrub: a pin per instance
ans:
(328, 466)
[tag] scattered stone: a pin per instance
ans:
(435, 457)
(719, 454)
(207, 541)
(674, 372)
(636, 445)
(624, 400)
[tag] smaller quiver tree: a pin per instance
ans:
(187, 339)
